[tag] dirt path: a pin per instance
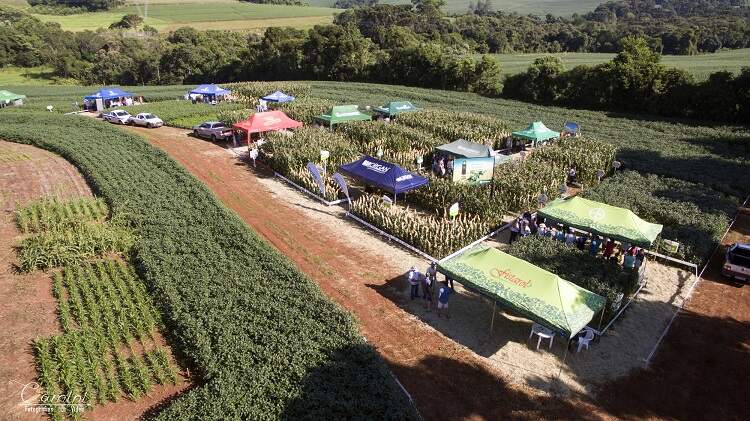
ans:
(699, 373)
(436, 370)
(27, 307)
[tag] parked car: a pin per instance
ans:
(146, 120)
(214, 130)
(117, 116)
(737, 262)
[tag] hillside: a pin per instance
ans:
(537, 7)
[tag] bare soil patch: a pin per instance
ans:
(27, 307)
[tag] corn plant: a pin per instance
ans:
(53, 214)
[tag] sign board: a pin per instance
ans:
(453, 210)
(324, 155)
(339, 179)
(473, 170)
(670, 246)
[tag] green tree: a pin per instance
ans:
(339, 52)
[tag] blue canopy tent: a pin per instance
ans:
(278, 96)
(107, 96)
(383, 175)
(210, 91)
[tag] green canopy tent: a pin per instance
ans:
(7, 98)
(602, 219)
(342, 114)
(395, 108)
(537, 294)
(465, 149)
(537, 132)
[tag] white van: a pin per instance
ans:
(737, 263)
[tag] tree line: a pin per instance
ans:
(408, 45)
(634, 81)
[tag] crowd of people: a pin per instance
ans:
(427, 282)
(629, 256)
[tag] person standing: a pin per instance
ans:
(413, 277)
(444, 295)
(570, 238)
(581, 242)
(609, 248)
(596, 243)
(427, 292)
(515, 226)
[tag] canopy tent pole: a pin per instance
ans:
(601, 319)
(492, 323)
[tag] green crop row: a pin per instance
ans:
(262, 339)
(450, 126)
(249, 92)
(50, 214)
(185, 114)
(74, 244)
(304, 109)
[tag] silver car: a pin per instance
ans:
(214, 130)
(146, 120)
(117, 116)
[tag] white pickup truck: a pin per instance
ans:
(117, 116)
(146, 120)
(737, 263)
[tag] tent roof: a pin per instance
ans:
(466, 149)
(278, 96)
(384, 175)
(537, 294)
(10, 96)
(342, 114)
(396, 107)
(599, 218)
(266, 122)
(536, 132)
(210, 89)
(109, 93)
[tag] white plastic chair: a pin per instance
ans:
(543, 333)
(585, 340)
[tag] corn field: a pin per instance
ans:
(304, 109)
(249, 92)
(51, 214)
(450, 126)
(436, 235)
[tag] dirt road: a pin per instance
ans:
(699, 372)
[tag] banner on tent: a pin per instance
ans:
(473, 170)
(316, 176)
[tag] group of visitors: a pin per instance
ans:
(629, 256)
(428, 283)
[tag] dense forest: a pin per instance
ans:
(419, 46)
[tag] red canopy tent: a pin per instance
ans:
(266, 122)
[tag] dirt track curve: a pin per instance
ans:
(698, 372)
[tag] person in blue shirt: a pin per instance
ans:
(444, 295)
(560, 234)
(596, 243)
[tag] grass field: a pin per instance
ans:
(700, 66)
(524, 7)
(217, 14)
(30, 76)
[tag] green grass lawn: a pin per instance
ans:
(30, 76)
(700, 66)
(217, 14)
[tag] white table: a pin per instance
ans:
(543, 333)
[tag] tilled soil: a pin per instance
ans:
(27, 307)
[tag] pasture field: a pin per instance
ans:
(41, 75)
(701, 66)
(524, 7)
(204, 15)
